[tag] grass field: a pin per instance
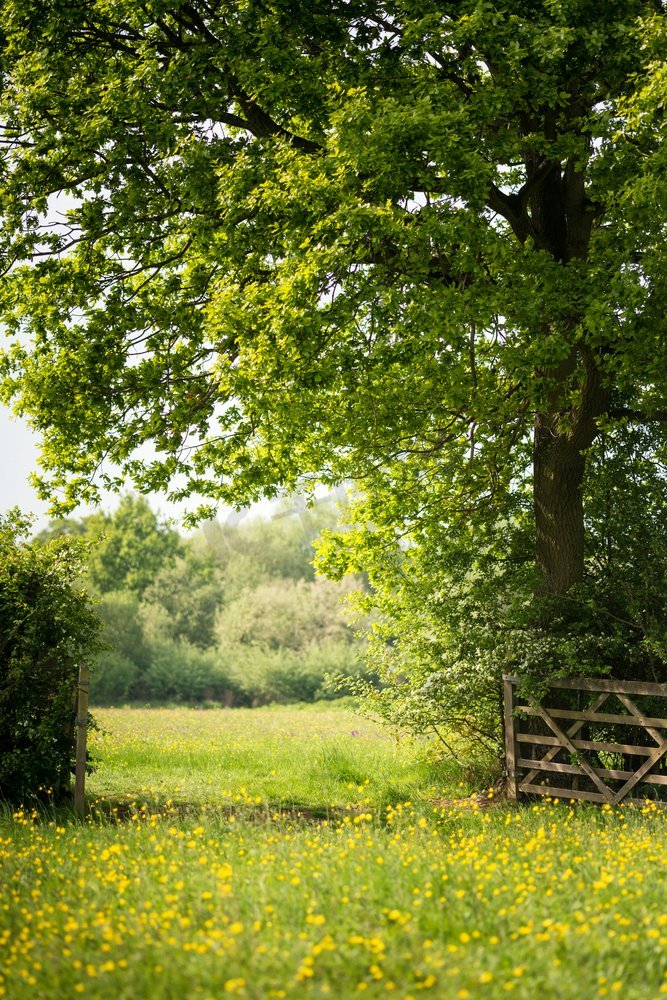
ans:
(294, 852)
(317, 759)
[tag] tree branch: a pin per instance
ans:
(512, 208)
(638, 416)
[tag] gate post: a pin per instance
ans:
(81, 734)
(510, 739)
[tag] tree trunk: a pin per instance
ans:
(560, 440)
(561, 219)
(558, 468)
(558, 474)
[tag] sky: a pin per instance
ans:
(18, 458)
(19, 451)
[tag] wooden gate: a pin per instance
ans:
(594, 739)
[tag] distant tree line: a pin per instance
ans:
(233, 614)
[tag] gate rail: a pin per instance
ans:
(585, 750)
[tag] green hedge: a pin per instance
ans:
(47, 628)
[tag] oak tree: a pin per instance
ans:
(417, 245)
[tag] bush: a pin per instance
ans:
(122, 627)
(262, 675)
(340, 666)
(284, 614)
(284, 638)
(179, 671)
(47, 629)
(182, 601)
(454, 603)
(112, 679)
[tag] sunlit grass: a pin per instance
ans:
(295, 758)
(226, 892)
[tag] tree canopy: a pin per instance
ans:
(128, 548)
(416, 245)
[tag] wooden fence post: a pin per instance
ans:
(81, 738)
(510, 740)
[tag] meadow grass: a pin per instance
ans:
(212, 896)
(310, 759)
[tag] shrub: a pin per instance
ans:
(454, 603)
(283, 614)
(262, 674)
(47, 628)
(179, 671)
(112, 679)
(122, 627)
(182, 601)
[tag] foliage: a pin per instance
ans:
(117, 669)
(628, 559)
(131, 546)
(421, 249)
(236, 618)
(373, 242)
(283, 638)
(128, 547)
(289, 615)
(251, 552)
(114, 678)
(182, 599)
(264, 673)
(62, 527)
(442, 606)
(47, 629)
(179, 671)
(119, 611)
(279, 674)
(454, 609)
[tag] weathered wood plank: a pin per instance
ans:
(551, 741)
(604, 789)
(638, 775)
(572, 731)
(610, 685)
(566, 713)
(562, 793)
(81, 739)
(569, 793)
(651, 779)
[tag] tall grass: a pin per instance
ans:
(317, 759)
(200, 887)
